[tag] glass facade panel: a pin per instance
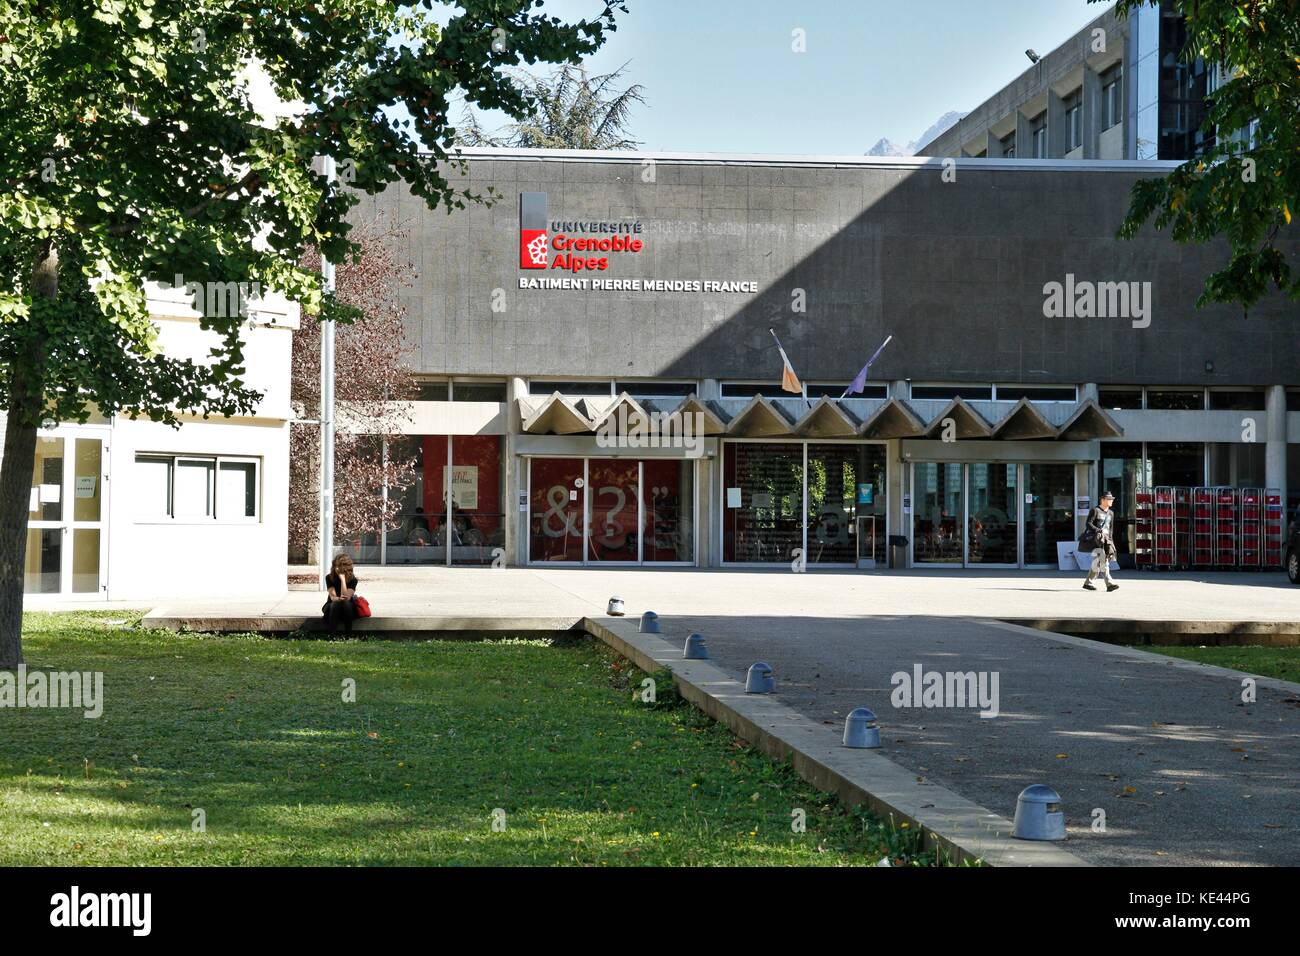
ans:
(846, 497)
(477, 492)
(557, 509)
(417, 533)
(1176, 463)
(1121, 474)
(85, 561)
(669, 510)
(1049, 511)
(47, 480)
(615, 504)
(993, 528)
(764, 482)
(43, 573)
(936, 525)
(86, 488)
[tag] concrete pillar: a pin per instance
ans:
(899, 523)
(1091, 112)
(1024, 137)
(1058, 133)
(994, 148)
(710, 390)
(1275, 449)
(516, 477)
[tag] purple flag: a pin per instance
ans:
(859, 383)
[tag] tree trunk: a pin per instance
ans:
(26, 403)
(15, 491)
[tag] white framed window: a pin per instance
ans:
(194, 489)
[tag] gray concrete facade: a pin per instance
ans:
(953, 266)
(956, 259)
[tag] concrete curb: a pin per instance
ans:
(287, 623)
(947, 822)
(1136, 653)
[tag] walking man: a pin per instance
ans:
(1097, 538)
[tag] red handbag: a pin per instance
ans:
(362, 606)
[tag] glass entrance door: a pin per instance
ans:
(992, 525)
(615, 533)
(557, 511)
(937, 521)
(1049, 511)
(65, 540)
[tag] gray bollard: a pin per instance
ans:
(759, 680)
(615, 608)
(650, 623)
(696, 649)
(861, 730)
(1038, 814)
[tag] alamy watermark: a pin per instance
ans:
(219, 300)
(632, 429)
(922, 688)
(1084, 299)
(54, 689)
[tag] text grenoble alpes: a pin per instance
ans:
(637, 285)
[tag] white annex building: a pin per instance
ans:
(136, 510)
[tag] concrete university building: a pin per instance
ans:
(601, 382)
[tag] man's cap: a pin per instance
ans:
(1107, 494)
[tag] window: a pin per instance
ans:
(1120, 397)
(1238, 400)
(153, 488)
(836, 389)
(570, 388)
(1112, 107)
(656, 389)
(1176, 399)
(1039, 135)
(1008, 144)
(478, 391)
(750, 389)
(949, 392)
(1038, 393)
(427, 391)
(195, 489)
(1074, 121)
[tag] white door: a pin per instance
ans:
(66, 540)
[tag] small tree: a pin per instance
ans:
(1243, 190)
(570, 110)
(133, 151)
(371, 380)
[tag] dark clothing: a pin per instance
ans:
(340, 612)
(1097, 537)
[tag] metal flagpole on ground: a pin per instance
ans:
(327, 411)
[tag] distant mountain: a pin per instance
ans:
(885, 147)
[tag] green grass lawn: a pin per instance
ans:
(254, 732)
(1280, 662)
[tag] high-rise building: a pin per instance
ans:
(1117, 89)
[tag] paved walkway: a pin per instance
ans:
(1185, 772)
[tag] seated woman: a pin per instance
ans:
(341, 583)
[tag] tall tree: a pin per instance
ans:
(1246, 187)
(134, 152)
(372, 383)
(570, 110)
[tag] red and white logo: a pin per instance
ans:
(534, 241)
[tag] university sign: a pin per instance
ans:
(575, 246)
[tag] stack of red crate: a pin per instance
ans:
(1165, 555)
(1251, 528)
(1274, 528)
(1143, 528)
(1225, 527)
(1202, 527)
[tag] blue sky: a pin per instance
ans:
(720, 76)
